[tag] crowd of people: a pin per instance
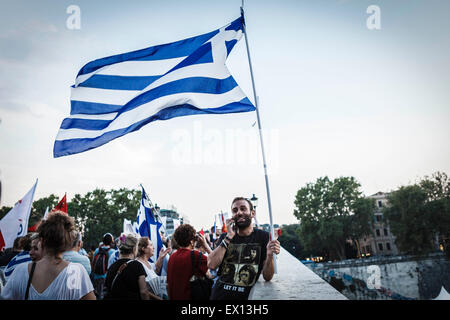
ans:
(51, 264)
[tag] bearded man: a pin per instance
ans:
(232, 250)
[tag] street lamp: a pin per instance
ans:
(254, 201)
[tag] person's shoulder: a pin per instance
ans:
(83, 257)
(197, 253)
(23, 266)
(136, 265)
(68, 254)
(20, 270)
(118, 263)
(22, 254)
(75, 265)
(261, 234)
(20, 258)
(76, 268)
(182, 254)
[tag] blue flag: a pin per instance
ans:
(148, 226)
(119, 94)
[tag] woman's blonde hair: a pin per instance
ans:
(127, 243)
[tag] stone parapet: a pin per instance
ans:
(294, 281)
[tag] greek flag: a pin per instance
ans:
(21, 257)
(119, 94)
(148, 226)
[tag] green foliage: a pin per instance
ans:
(100, 211)
(330, 212)
(4, 211)
(39, 207)
(418, 212)
(290, 241)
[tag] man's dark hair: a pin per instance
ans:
(242, 198)
(184, 234)
(107, 239)
(16, 245)
(25, 242)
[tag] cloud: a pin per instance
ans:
(28, 29)
(17, 43)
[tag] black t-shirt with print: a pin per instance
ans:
(126, 286)
(241, 266)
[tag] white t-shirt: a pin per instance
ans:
(150, 272)
(72, 283)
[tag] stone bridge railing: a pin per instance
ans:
(294, 281)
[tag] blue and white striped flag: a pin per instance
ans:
(119, 94)
(148, 226)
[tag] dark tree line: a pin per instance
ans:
(419, 214)
(331, 212)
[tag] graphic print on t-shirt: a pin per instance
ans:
(241, 264)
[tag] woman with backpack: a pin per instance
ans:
(180, 267)
(125, 279)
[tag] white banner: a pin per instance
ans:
(15, 223)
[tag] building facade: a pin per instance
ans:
(381, 241)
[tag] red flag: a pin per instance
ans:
(224, 226)
(202, 232)
(62, 205)
(2, 241)
(34, 228)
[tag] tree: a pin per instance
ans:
(39, 207)
(289, 240)
(417, 213)
(4, 211)
(330, 212)
(437, 188)
(100, 211)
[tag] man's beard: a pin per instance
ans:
(244, 224)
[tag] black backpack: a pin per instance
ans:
(200, 285)
(101, 261)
